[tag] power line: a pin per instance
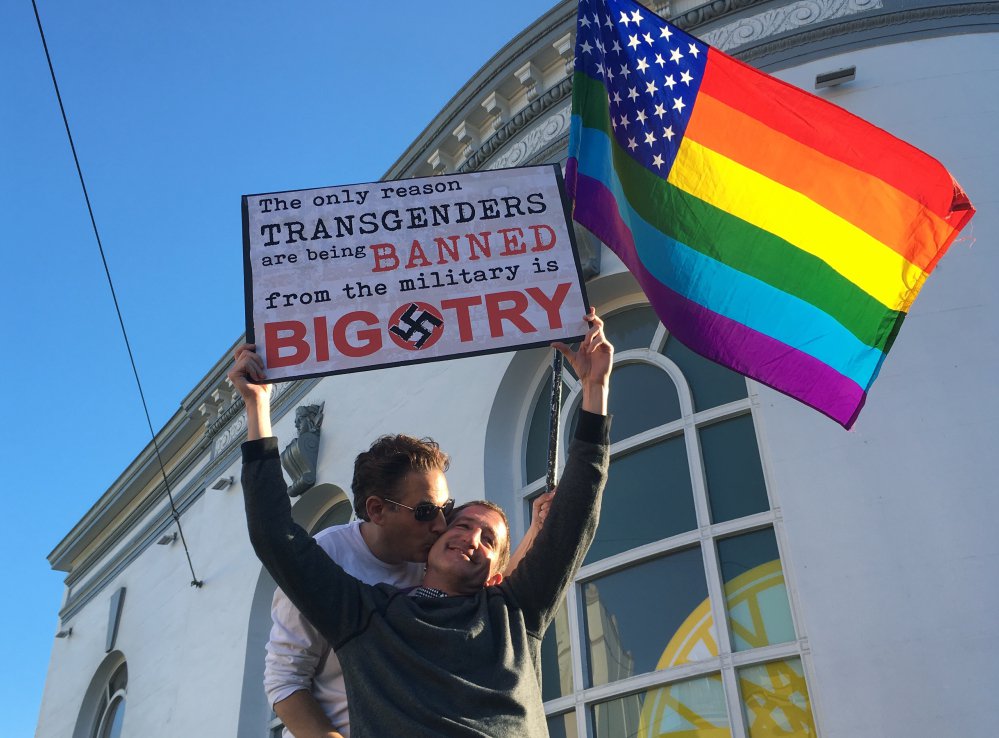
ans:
(195, 582)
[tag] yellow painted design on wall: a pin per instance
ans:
(774, 694)
(776, 702)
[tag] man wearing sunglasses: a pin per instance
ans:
(460, 655)
(401, 503)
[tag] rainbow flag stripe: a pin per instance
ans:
(772, 231)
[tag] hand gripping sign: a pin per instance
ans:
(342, 279)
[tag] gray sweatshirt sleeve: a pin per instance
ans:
(542, 577)
(332, 600)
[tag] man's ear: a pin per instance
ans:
(494, 579)
(376, 509)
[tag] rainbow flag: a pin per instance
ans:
(772, 231)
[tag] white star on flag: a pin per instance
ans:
(658, 118)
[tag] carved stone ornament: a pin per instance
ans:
(519, 152)
(781, 20)
(300, 458)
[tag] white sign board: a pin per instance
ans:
(341, 279)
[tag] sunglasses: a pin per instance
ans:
(426, 511)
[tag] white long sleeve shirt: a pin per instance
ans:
(297, 656)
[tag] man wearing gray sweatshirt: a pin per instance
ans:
(460, 655)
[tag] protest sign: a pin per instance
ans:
(354, 277)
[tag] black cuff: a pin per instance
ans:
(593, 428)
(259, 449)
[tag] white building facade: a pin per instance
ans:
(758, 571)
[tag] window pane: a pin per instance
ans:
(755, 593)
(113, 720)
(642, 396)
(648, 497)
(733, 470)
(631, 329)
(556, 658)
(690, 709)
(711, 383)
(634, 617)
(562, 726)
(537, 435)
(775, 700)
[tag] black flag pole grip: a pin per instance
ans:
(553, 427)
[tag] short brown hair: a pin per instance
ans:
(504, 554)
(379, 470)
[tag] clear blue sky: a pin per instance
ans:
(176, 109)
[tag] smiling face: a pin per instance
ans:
(412, 539)
(470, 554)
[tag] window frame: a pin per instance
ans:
(705, 537)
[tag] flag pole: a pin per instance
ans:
(553, 427)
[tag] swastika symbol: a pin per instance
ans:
(416, 324)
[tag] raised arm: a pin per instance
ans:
(592, 362)
(331, 599)
(558, 550)
(247, 376)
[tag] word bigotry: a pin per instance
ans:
(362, 333)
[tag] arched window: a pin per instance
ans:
(338, 513)
(102, 713)
(679, 623)
(111, 713)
